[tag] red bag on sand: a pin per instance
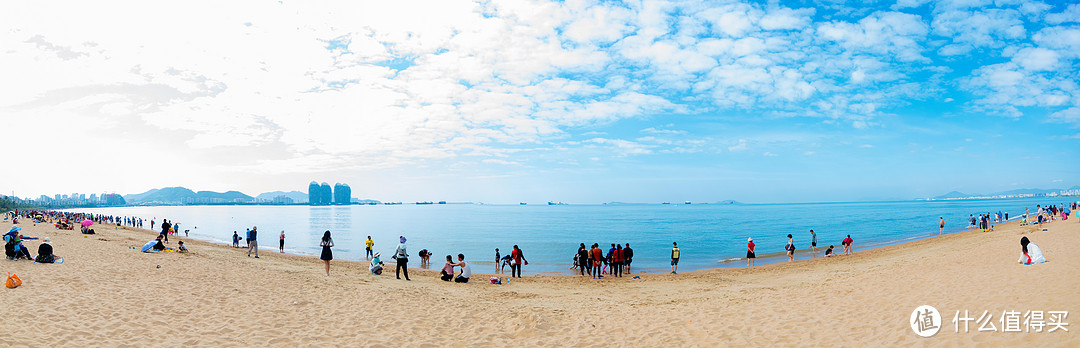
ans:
(13, 281)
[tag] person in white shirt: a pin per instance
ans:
(466, 271)
(1031, 253)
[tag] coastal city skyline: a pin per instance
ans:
(537, 101)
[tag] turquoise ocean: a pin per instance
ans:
(709, 235)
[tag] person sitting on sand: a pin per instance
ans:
(829, 252)
(376, 265)
(180, 248)
(447, 271)
(466, 271)
(45, 252)
(1030, 253)
(14, 247)
(154, 245)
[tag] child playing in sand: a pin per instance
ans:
(829, 252)
(180, 248)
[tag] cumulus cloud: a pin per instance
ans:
(360, 83)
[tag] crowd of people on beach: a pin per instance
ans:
(594, 262)
(588, 260)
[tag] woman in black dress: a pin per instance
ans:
(327, 255)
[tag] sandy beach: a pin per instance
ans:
(106, 294)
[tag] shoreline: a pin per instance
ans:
(737, 263)
(558, 266)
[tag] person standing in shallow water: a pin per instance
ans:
(813, 242)
(327, 255)
(281, 242)
(518, 258)
(368, 245)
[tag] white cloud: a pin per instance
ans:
(742, 145)
(769, 154)
(358, 82)
(1036, 58)
(622, 148)
(1071, 14)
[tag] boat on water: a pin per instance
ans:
(687, 202)
(442, 202)
(553, 203)
(424, 203)
(523, 203)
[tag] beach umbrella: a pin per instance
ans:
(146, 247)
(87, 223)
(15, 229)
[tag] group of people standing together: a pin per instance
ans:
(986, 221)
(594, 262)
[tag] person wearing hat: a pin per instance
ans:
(14, 242)
(376, 265)
(750, 254)
(45, 252)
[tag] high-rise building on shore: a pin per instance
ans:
(320, 194)
(342, 194)
(323, 194)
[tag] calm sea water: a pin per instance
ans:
(709, 236)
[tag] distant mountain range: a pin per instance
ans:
(170, 195)
(958, 194)
(297, 196)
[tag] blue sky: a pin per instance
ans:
(576, 101)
